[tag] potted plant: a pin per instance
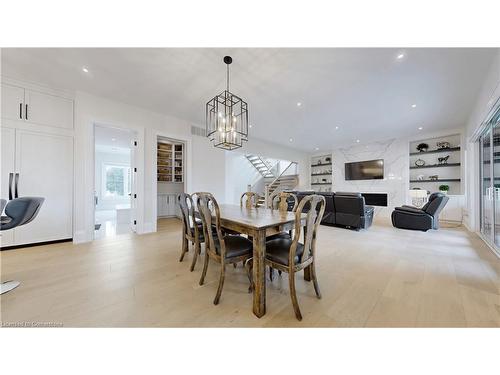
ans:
(444, 189)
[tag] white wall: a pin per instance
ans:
(488, 96)
(396, 171)
(205, 164)
(240, 172)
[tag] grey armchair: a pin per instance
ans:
(425, 218)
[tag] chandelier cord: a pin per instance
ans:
(227, 80)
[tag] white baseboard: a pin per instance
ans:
(148, 228)
(81, 236)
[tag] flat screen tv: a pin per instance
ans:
(365, 170)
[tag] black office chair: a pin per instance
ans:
(18, 211)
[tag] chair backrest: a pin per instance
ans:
(21, 211)
(208, 208)
(3, 202)
(349, 203)
(315, 213)
(435, 204)
(249, 199)
(281, 201)
(187, 212)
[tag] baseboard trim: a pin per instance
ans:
(14, 247)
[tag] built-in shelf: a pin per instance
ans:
(451, 149)
(321, 165)
(438, 180)
(437, 166)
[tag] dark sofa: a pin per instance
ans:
(343, 209)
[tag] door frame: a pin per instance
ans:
(90, 165)
(151, 226)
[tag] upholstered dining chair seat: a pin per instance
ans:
(235, 246)
(282, 235)
(278, 250)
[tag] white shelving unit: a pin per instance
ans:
(170, 176)
(424, 165)
(321, 173)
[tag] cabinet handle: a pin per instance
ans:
(16, 195)
(26, 112)
(11, 176)
(21, 111)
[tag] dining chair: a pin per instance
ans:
(192, 228)
(249, 199)
(224, 249)
(291, 256)
(280, 201)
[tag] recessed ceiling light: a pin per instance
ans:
(357, 140)
(250, 126)
(316, 149)
(299, 104)
(420, 127)
(85, 70)
(113, 139)
(336, 128)
(291, 139)
(413, 105)
(400, 56)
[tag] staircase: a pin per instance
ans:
(286, 182)
(262, 165)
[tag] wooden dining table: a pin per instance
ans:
(258, 223)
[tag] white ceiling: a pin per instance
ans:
(366, 92)
(108, 139)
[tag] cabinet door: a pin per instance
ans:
(50, 110)
(45, 166)
(8, 167)
(12, 102)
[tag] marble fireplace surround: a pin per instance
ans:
(395, 183)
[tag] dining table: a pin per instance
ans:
(259, 223)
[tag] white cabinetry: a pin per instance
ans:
(40, 154)
(167, 205)
(36, 107)
(453, 211)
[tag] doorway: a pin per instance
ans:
(114, 182)
(489, 143)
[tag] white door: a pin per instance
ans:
(12, 102)
(45, 166)
(133, 184)
(7, 176)
(50, 110)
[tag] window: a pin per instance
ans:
(116, 181)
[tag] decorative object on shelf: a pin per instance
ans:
(422, 147)
(443, 145)
(418, 197)
(420, 177)
(443, 160)
(419, 162)
(227, 117)
(328, 159)
(434, 177)
(444, 189)
(319, 162)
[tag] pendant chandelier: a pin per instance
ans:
(227, 118)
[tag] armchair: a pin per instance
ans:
(409, 217)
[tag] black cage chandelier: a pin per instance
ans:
(227, 118)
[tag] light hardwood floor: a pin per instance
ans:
(381, 277)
